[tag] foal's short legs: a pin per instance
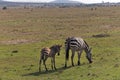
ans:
(40, 65)
(45, 63)
(54, 63)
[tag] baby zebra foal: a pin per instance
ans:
(49, 52)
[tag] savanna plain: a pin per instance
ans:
(25, 31)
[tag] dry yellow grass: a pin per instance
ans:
(36, 24)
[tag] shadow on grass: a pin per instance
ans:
(60, 70)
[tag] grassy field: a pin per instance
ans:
(28, 30)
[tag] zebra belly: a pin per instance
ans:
(75, 48)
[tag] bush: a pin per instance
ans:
(4, 8)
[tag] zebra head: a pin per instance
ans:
(58, 47)
(89, 55)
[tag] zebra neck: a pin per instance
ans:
(86, 49)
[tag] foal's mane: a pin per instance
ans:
(53, 46)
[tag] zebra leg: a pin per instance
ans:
(79, 55)
(45, 63)
(40, 65)
(65, 63)
(52, 63)
(73, 53)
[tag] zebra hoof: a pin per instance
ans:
(65, 66)
(90, 61)
(52, 68)
(78, 63)
(55, 68)
(39, 70)
(73, 65)
(46, 69)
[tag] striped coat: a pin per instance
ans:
(77, 45)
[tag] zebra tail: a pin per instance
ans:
(42, 55)
(67, 52)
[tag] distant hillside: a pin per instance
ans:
(64, 1)
(56, 3)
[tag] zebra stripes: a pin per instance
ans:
(49, 52)
(74, 44)
(77, 45)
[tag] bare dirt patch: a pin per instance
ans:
(17, 41)
(101, 35)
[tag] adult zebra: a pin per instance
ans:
(77, 45)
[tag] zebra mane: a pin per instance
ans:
(54, 46)
(86, 44)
